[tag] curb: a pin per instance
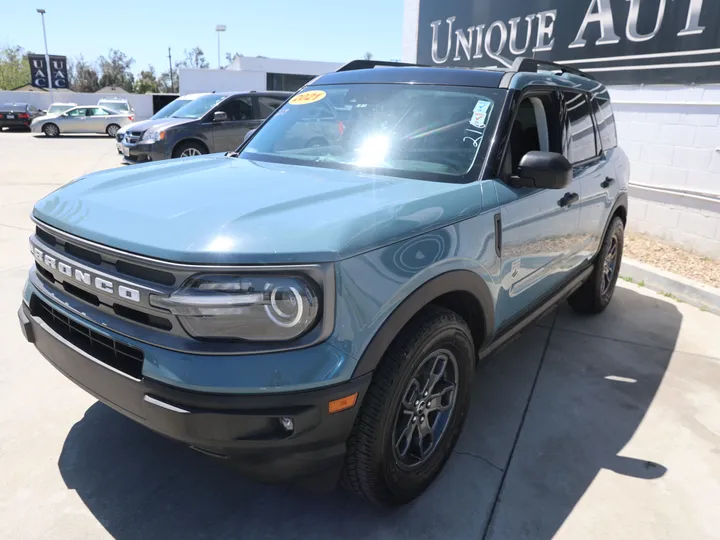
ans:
(689, 291)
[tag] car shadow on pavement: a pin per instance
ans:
(559, 422)
(73, 136)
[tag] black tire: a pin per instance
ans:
(189, 147)
(51, 130)
(595, 294)
(373, 468)
(112, 130)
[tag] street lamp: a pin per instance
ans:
(47, 56)
(219, 28)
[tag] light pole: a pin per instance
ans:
(219, 28)
(47, 56)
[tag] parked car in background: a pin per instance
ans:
(84, 119)
(119, 105)
(59, 108)
(138, 128)
(211, 123)
(17, 115)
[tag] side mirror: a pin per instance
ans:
(219, 116)
(545, 170)
(249, 134)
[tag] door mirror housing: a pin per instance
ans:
(544, 170)
(249, 134)
(219, 116)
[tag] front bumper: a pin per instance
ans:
(141, 152)
(245, 429)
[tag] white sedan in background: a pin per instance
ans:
(83, 119)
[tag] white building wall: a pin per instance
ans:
(220, 80)
(142, 103)
(672, 137)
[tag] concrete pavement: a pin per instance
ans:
(586, 427)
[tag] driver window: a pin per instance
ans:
(529, 133)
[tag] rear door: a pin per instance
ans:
(228, 135)
(96, 119)
(590, 169)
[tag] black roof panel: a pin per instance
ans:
(415, 75)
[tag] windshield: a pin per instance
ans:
(198, 107)
(120, 106)
(170, 108)
(57, 109)
(405, 130)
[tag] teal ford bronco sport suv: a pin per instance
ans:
(315, 303)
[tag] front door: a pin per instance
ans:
(539, 226)
(229, 134)
(74, 122)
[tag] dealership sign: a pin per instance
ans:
(57, 71)
(618, 41)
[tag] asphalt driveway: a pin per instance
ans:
(586, 427)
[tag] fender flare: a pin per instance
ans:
(454, 281)
(620, 202)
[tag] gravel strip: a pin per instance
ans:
(672, 259)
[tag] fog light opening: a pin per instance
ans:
(287, 424)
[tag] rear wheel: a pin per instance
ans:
(413, 411)
(112, 130)
(595, 294)
(51, 130)
(189, 149)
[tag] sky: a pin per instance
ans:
(330, 30)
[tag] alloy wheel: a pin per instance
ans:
(425, 410)
(190, 152)
(112, 131)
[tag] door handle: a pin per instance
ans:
(607, 182)
(568, 199)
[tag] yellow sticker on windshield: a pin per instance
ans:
(307, 97)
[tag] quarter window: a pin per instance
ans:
(605, 120)
(581, 144)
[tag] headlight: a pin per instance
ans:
(253, 308)
(153, 136)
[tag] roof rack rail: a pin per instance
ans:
(369, 64)
(531, 65)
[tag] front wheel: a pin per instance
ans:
(189, 149)
(112, 130)
(51, 130)
(413, 411)
(595, 294)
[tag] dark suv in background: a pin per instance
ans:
(212, 123)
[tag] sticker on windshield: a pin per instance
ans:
(480, 113)
(307, 97)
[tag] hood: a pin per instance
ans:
(157, 124)
(221, 210)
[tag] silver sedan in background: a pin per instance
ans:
(83, 119)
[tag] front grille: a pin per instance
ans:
(118, 355)
(122, 267)
(133, 136)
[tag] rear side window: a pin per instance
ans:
(580, 136)
(605, 120)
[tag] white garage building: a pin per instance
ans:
(253, 73)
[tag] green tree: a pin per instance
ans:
(146, 81)
(368, 56)
(195, 58)
(115, 70)
(83, 76)
(14, 68)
